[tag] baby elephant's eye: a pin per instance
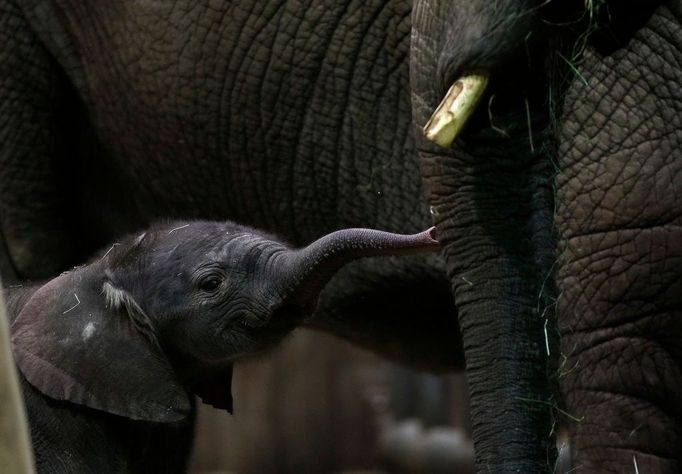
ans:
(210, 283)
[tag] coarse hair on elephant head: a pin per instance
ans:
(166, 313)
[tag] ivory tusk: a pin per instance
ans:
(455, 109)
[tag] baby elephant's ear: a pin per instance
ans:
(72, 343)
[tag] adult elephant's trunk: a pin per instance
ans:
(306, 271)
(492, 199)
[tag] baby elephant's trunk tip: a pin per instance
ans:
(431, 237)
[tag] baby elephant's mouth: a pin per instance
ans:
(281, 321)
(278, 324)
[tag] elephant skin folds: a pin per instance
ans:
(620, 305)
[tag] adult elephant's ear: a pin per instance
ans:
(80, 339)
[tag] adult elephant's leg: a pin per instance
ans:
(37, 215)
(492, 204)
(620, 273)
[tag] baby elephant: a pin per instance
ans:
(112, 352)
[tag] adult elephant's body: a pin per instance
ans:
(272, 112)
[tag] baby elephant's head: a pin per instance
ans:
(168, 311)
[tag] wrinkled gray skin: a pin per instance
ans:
(620, 277)
(301, 118)
(110, 352)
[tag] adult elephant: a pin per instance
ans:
(299, 117)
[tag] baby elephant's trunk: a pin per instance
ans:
(307, 271)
